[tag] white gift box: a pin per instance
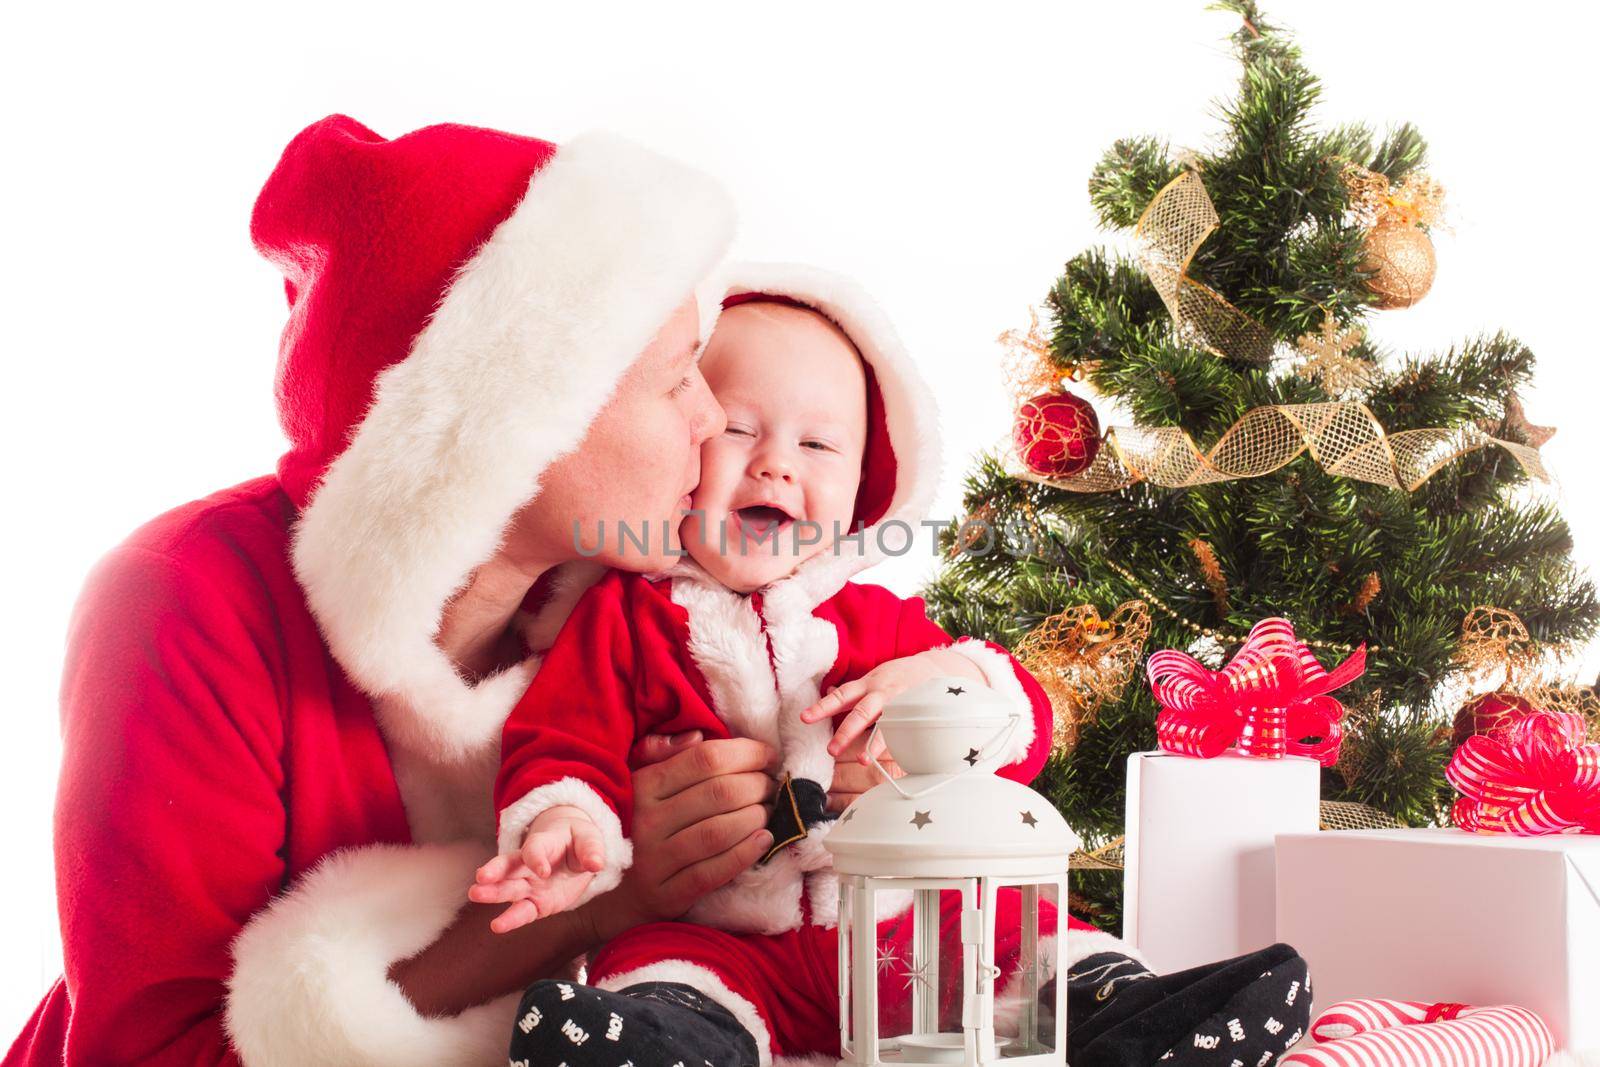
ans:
(1444, 915)
(1198, 881)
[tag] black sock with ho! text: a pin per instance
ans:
(652, 1024)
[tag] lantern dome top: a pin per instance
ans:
(951, 815)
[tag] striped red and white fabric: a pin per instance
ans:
(1404, 1033)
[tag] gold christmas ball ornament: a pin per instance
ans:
(1401, 262)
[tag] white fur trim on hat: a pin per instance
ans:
(524, 349)
(707, 982)
(516, 817)
(998, 669)
(310, 980)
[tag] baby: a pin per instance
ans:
(757, 632)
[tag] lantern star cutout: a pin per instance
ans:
(921, 819)
(887, 958)
(954, 690)
(918, 974)
(971, 758)
(1028, 819)
(1326, 361)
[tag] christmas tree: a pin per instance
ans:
(1278, 462)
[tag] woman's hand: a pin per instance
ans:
(699, 818)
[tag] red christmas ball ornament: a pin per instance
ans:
(1488, 713)
(1057, 435)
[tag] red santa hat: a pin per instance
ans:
(462, 302)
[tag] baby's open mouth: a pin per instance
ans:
(762, 520)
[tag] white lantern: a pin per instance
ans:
(976, 855)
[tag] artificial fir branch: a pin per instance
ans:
(1127, 177)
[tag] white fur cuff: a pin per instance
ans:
(1002, 677)
(310, 980)
(517, 817)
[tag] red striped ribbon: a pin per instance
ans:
(1270, 696)
(1530, 777)
(1403, 1033)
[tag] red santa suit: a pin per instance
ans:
(274, 784)
(676, 652)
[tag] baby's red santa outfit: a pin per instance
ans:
(680, 651)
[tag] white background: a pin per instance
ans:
(941, 158)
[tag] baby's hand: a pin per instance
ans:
(560, 856)
(866, 696)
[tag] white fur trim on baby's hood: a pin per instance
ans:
(524, 349)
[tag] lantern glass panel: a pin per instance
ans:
(847, 907)
(920, 968)
(1024, 918)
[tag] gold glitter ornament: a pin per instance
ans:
(1398, 251)
(1497, 652)
(1082, 661)
(1401, 263)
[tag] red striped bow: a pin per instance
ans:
(1530, 777)
(1271, 694)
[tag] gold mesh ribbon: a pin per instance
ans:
(1173, 227)
(1082, 661)
(1107, 857)
(1343, 436)
(1348, 815)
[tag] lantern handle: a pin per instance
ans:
(1000, 737)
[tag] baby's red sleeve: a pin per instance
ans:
(567, 741)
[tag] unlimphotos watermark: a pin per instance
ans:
(970, 536)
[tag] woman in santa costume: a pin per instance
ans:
(282, 703)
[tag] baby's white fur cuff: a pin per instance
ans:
(515, 819)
